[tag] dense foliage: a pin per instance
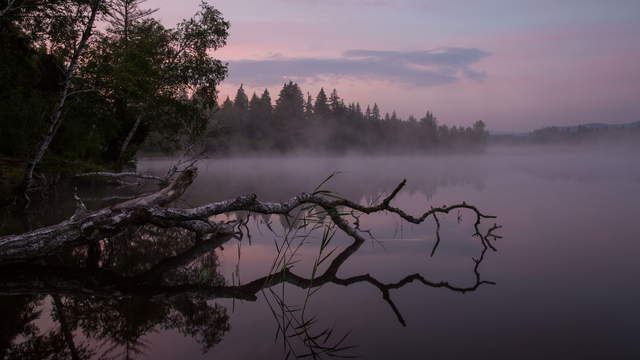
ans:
(134, 77)
(327, 124)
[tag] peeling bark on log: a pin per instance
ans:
(92, 225)
(118, 176)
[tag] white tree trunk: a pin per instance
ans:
(53, 124)
(129, 137)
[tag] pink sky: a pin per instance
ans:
(546, 63)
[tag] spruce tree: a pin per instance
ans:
(376, 112)
(321, 107)
(335, 103)
(241, 102)
(266, 101)
(308, 106)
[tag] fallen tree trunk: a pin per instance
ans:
(120, 175)
(90, 226)
(83, 228)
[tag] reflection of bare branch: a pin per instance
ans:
(146, 210)
(104, 283)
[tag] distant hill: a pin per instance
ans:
(596, 126)
(572, 134)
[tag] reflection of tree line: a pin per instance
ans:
(364, 178)
(114, 295)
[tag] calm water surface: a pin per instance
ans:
(566, 270)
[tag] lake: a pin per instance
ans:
(565, 269)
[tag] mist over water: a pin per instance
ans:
(281, 179)
(565, 270)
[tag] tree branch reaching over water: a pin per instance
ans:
(118, 176)
(93, 226)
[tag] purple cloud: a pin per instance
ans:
(415, 68)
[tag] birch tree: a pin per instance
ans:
(87, 14)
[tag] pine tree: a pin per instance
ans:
(479, 132)
(288, 116)
(225, 115)
(227, 104)
(335, 103)
(376, 112)
(254, 104)
(290, 103)
(321, 107)
(308, 107)
(241, 102)
(429, 129)
(266, 101)
(255, 117)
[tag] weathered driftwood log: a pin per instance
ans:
(90, 226)
(82, 228)
(86, 227)
(121, 175)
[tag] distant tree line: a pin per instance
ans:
(95, 80)
(326, 123)
(580, 134)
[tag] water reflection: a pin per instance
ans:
(105, 299)
(361, 178)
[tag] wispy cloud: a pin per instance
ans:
(415, 68)
(342, 2)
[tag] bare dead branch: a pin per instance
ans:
(148, 210)
(7, 8)
(122, 175)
